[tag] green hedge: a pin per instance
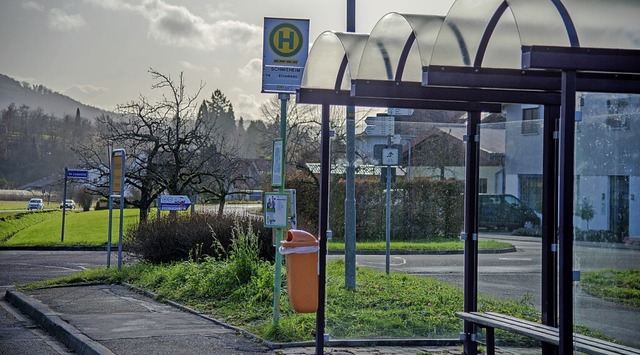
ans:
(421, 208)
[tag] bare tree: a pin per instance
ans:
(168, 148)
(304, 124)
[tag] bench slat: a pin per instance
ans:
(579, 339)
(544, 333)
(532, 333)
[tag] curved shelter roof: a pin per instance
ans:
(495, 37)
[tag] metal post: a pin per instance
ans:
(387, 231)
(64, 205)
(110, 158)
(350, 193)
(124, 158)
(110, 228)
(280, 232)
(471, 229)
(323, 228)
(565, 210)
(549, 222)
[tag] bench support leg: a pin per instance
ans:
(491, 342)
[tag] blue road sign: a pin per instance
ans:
(77, 174)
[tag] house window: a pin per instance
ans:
(617, 119)
(482, 186)
(530, 123)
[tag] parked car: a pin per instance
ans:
(69, 204)
(35, 204)
(505, 212)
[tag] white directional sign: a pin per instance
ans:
(174, 203)
(390, 156)
(393, 111)
(380, 126)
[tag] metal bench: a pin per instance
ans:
(544, 333)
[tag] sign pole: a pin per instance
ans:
(124, 156)
(280, 231)
(110, 157)
(64, 204)
(109, 232)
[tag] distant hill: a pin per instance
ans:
(51, 102)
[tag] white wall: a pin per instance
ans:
(634, 207)
(596, 190)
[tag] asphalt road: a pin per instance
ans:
(518, 276)
(18, 333)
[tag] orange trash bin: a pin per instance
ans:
(301, 257)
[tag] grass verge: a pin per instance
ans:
(615, 285)
(418, 245)
(391, 306)
(81, 228)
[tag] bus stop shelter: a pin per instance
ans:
(481, 55)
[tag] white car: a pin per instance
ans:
(68, 204)
(35, 204)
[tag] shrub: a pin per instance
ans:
(528, 232)
(193, 237)
(595, 236)
(83, 198)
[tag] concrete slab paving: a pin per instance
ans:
(113, 319)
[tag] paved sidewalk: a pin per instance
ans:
(113, 319)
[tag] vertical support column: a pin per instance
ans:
(470, 236)
(325, 166)
(350, 193)
(549, 245)
(565, 208)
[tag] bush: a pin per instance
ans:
(599, 236)
(528, 232)
(83, 198)
(193, 237)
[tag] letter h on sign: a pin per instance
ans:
(289, 39)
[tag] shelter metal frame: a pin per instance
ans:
(548, 76)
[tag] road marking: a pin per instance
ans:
(516, 259)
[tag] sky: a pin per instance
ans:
(99, 52)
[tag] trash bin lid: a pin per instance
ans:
(299, 238)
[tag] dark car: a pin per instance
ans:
(505, 212)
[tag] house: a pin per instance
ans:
(607, 160)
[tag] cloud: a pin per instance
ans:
(32, 5)
(62, 21)
(252, 70)
(221, 11)
(247, 106)
(176, 25)
(84, 92)
(191, 66)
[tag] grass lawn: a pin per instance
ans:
(395, 306)
(418, 245)
(615, 285)
(81, 228)
(15, 205)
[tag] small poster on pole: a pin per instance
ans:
(276, 209)
(276, 168)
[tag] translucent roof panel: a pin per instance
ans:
(462, 31)
(383, 52)
(606, 23)
(539, 23)
(326, 57)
